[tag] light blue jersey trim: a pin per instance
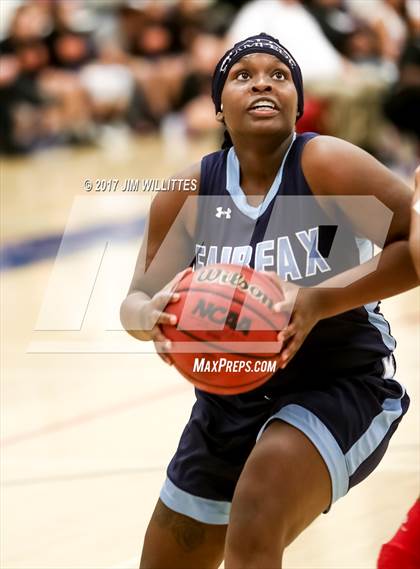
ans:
(388, 363)
(201, 509)
(236, 192)
(381, 325)
(366, 252)
(323, 440)
(374, 435)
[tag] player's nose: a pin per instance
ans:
(261, 85)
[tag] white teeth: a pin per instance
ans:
(264, 103)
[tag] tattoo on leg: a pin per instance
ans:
(188, 533)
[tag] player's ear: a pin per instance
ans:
(219, 115)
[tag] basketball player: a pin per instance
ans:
(252, 471)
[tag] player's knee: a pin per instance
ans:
(257, 526)
(244, 552)
(252, 546)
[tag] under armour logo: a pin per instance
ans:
(221, 211)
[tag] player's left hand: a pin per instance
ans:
(304, 312)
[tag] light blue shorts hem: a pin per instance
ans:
(201, 509)
(322, 439)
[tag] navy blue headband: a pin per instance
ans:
(262, 43)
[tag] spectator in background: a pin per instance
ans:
(402, 103)
(169, 66)
(154, 34)
(194, 98)
(290, 22)
(396, 25)
(151, 34)
(336, 22)
(362, 46)
(22, 52)
(393, 21)
(109, 84)
(350, 35)
(71, 47)
(71, 41)
(18, 103)
(42, 104)
(30, 22)
(390, 21)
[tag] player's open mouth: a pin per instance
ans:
(264, 107)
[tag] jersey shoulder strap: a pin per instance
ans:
(294, 182)
(213, 173)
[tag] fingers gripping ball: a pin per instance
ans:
(225, 341)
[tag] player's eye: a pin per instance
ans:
(243, 75)
(280, 75)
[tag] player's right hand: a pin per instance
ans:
(152, 316)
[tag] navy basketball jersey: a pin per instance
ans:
(301, 237)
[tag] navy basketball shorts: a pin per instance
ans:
(349, 418)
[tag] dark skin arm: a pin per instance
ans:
(334, 167)
(165, 252)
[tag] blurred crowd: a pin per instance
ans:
(70, 69)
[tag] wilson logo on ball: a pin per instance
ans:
(234, 279)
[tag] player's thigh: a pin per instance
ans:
(175, 541)
(284, 486)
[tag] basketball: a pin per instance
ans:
(225, 340)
